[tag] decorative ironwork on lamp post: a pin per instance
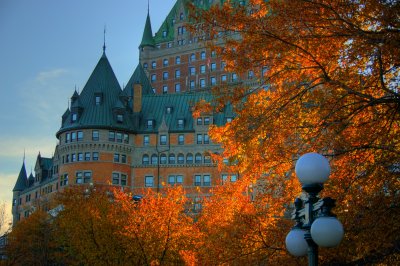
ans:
(315, 225)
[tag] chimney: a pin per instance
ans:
(137, 97)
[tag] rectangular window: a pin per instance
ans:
(213, 66)
(74, 117)
(192, 71)
(177, 73)
(206, 180)
(115, 178)
(165, 75)
(163, 139)
(80, 135)
(153, 77)
(119, 137)
(111, 136)
(95, 156)
(73, 136)
(223, 78)
(202, 69)
(98, 99)
(149, 181)
(95, 135)
(126, 138)
(203, 55)
(181, 139)
(87, 178)
(79, 178)
(192, 84)
(123, 158)
(171, 180)
(199, 138)
(199, 121)
(234, 77)
(153, 64)
(80, 156)
(123, 180)
(206, 120)
(179, 179)
(202, 83)
(213, 81)
(67, 138)
(181, 123)
(206, 139)
(165, 62)
(177, 87)
(146, 140)
(177, 60)
(67, 158)
(150, 123)
(73, 157)
(165, 89)
(120, 118)
(116, 157)
(87, 156)
(197, 180)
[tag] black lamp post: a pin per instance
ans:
(315, 225)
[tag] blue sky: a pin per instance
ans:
(47, 48)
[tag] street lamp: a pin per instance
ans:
(315, 225)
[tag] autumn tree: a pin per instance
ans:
(86, 228)
(31, 242)
(158, 227)
(328, 81)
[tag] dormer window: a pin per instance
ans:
(98, 98)
(181, 16)
(74, 117)
(168, 110)
(150, 123)
(181, 123)
(120, 118)
(164, 34)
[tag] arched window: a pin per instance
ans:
(171, 159)
(189, 158)
(163, 158)
(181, 158)
(145, 159)
(154, 159)
(198, 158)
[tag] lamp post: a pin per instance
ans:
(315, 225)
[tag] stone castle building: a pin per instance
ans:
(142, 136)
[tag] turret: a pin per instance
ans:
(20, 185)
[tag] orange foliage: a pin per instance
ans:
(330, 84)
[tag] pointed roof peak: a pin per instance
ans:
(147, 38)
(21, 180)
(104, 41)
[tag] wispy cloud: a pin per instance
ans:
(47, 76)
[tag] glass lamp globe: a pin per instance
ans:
(312, 168)
(327, 231)
(295, 242)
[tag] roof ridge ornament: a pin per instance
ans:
(104, 40)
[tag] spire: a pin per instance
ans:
(104, 40)
(147, 39)
(21, 180)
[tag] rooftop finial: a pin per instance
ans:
(148, 7)
(24, 156)
(104, 41)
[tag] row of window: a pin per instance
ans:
(199, 180)
(84, 177)
(192, 58)
(201, 83)
(173, 159)
(201, 139)
(114, 136)
(80, 156)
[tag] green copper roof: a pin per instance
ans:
(147, 39)
(154, 108)
(103, 84)
(21, 180)
(138, 76)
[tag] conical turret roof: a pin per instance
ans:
(147, 39)
(22, 179)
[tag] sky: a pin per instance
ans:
(47, 49)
